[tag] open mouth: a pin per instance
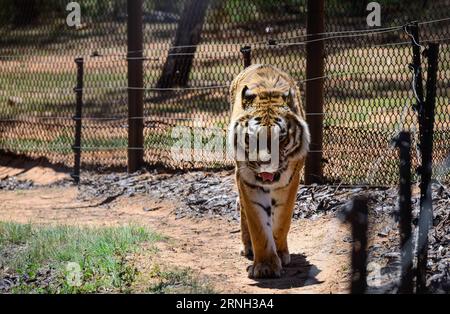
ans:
(268, 177)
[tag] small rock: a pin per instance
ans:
(150, 209)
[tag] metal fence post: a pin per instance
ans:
(426, 209)
(247, 53)
(78, 116)
(416, 63)
(359, 220)
(314, 90)
(416, 66)
(406, 243)
(135, 86)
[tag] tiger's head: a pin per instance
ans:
(268, 128)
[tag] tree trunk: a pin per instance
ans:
(177, 67)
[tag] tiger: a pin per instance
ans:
(264, 97)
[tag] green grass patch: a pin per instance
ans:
(61, 144)
(79, 260)
(177, 281)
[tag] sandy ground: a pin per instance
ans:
(209, 246)
(39, 172)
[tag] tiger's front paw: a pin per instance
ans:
(265, 269)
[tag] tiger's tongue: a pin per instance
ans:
(266, 176)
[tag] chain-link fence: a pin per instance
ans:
(192, 53)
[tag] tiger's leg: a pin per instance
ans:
(245, 234)
(282, 223)
(266, 263)
(283, 210)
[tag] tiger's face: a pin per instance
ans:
(268, 131)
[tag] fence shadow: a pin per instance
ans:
(27, 168)
(299, 273)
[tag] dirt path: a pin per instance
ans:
(209, 246)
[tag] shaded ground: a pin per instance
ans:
(196, 211)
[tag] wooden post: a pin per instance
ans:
(247, 53)
(78, 116)
(359, 220)
(314, 90)
(406, 243)
(426, 144)
(135, 86)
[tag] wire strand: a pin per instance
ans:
(434, 21)
(378, 30)
(100, 148)
(178, 89)
(155, 119)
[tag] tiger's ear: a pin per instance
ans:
(247, 97)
